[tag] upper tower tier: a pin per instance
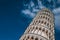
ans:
(41, 27)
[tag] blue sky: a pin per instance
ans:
(16, 15)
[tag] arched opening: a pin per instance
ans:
(36, 38)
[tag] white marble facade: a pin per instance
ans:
(41, 27)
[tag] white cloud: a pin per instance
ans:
(56, 10)
(32, 9)
(57, 17)
(49, 0)
(28, 12)
(25, 4)
(35, 10)
(40, 4)
(57, 22)
(58, 1)
(32, 4)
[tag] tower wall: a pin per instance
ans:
(41, 27)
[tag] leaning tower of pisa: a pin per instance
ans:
(41, 27)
